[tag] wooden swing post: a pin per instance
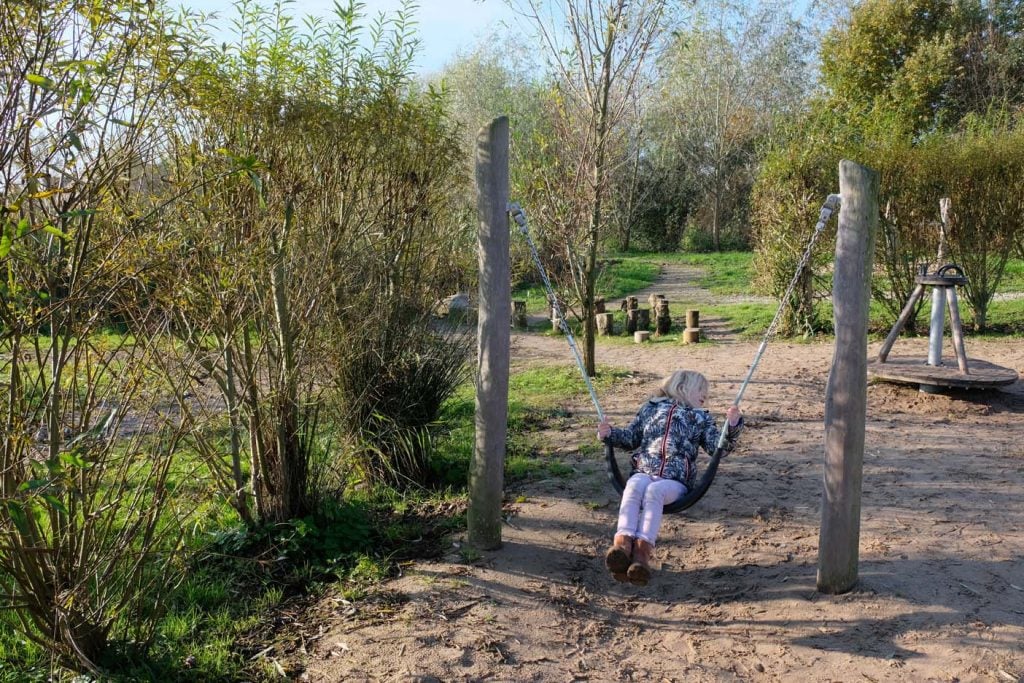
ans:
(846, 392)
(486, 472)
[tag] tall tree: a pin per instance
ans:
(723, 84)
(495, 78)
(597, 51)
(898, 75)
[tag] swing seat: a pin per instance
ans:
(678, 505)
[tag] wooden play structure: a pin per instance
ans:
(933, 375)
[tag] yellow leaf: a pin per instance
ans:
(48, 193)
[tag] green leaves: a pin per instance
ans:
(41, 81)
(56, 232)
(73, 459)
(11, 231)
(16, 512)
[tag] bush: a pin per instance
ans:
(794, 182)
(979, 168)
(91, 532)
(391, 385)
(982, 172)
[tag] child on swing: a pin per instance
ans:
(665, 434)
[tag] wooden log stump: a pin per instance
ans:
(692, 318)
(631, 316)
(551, 308)
(641, 336)
(556, 322)
(605, 324)
(599, 305)
(519, 314)
(632, 303)
(691, 335)
(643, 319)
(653, 299)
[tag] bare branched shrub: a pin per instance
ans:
(88, 530)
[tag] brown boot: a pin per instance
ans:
(617, 558)
(639, 573)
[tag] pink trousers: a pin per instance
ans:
(642, 501)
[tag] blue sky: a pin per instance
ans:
(445, 26)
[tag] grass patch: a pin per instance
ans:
(726, 273)
(619, 277)
(1013, 277)
(1004, 317)
(616, 278)
(537, 401)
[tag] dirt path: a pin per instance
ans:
(941, 591)
(677, 282)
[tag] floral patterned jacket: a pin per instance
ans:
(691, 428)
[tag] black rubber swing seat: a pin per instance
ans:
(680, 504)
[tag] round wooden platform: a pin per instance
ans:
(982, 374)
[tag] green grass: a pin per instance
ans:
(1005, 317)
(1013, 276)
(537, 400)
(615, 279)
(727, 272)
(621, 277)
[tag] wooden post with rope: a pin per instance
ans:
(846, 392)
(486, 472)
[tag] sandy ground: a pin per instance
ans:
(940, 595)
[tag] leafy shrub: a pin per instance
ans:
(794, 182)
(982, 172)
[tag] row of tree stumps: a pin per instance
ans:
(638, 320)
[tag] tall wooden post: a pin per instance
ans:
(846, 393)
(493, 337)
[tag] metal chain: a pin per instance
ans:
(830, 205)
(520, 218)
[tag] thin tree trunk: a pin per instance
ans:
(590, 272)
(715, 230)
(259, 474)
(292, 462)
(231, 396)
(630, 201)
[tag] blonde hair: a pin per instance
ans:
(682, 384)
